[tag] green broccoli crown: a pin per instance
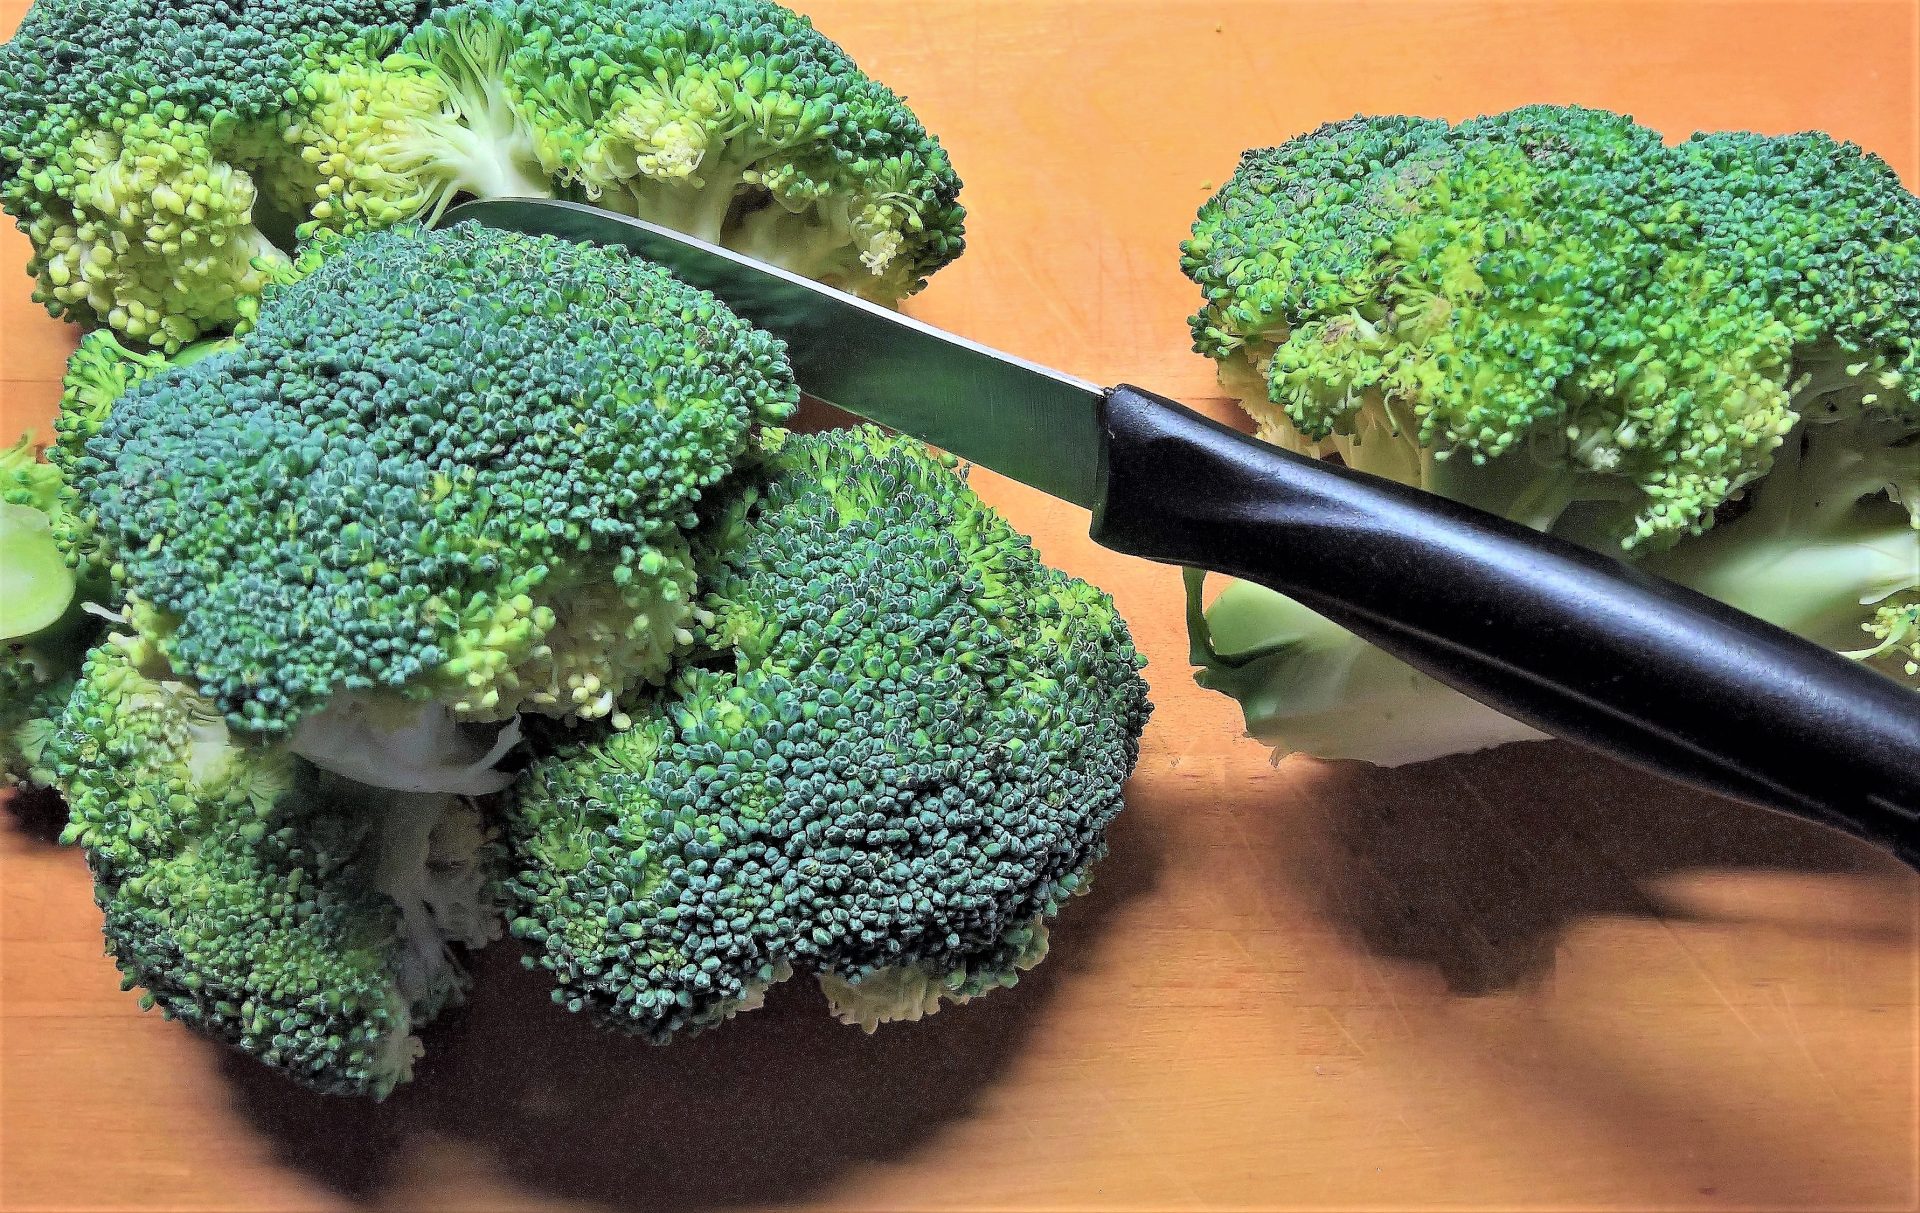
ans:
(899, 755)
(734, 120)
(300, 919)
(1558, 281)
(1700, 356)
(455, 465)
(130, 135)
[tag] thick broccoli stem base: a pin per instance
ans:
(1824, 539)
(431, 849)
(1308, 686)
(463, 161)
(477, 146)
(723, 205)
(1815, 588)
(402, 746)
(698, 208)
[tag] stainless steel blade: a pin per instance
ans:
(1036, 425)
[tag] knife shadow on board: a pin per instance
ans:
(519, 1095)
(1478, 865)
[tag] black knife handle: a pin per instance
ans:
(1572, 642)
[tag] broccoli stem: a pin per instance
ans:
(453, 159)
(402, 746)
(1821, 538)
(479, 144)
(699, 206)
(252, 243)
(1813, 588)
(1307, 685)
(406, 824)
(803, 243)
(430, 866)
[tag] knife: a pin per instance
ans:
(1572, 642)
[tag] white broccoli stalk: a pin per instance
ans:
(403, 746)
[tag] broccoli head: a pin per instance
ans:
(310, 922)
(447, 477)
(135, 138)
(732, 120)
(163, 156)
(894, 759)
(1700, 356)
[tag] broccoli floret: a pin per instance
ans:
(164, 155)
(100, 371)
(310, 922)
(26, 480)
(447, 477)
(1701, 357)
(894, 758)
(732, 120)
(139, 141)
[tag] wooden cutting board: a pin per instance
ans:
(1520, 979)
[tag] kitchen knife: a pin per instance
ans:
(1575, 643)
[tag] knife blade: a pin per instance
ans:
(1039, 426)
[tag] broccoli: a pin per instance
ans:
(732, 120)
(55, 579)
(144, 150)
(36, 586)
(44, 624)
(892, 758)
(1700, 357)
(447, 477)
(793, 704)
(163, 156)
(311, 923)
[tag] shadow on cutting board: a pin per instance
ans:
(762, 1110)
(38, 814)
(1476, 865)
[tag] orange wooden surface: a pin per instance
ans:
(1519, 980)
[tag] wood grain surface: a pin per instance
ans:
(1526, 979)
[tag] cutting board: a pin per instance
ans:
(1525, 978)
